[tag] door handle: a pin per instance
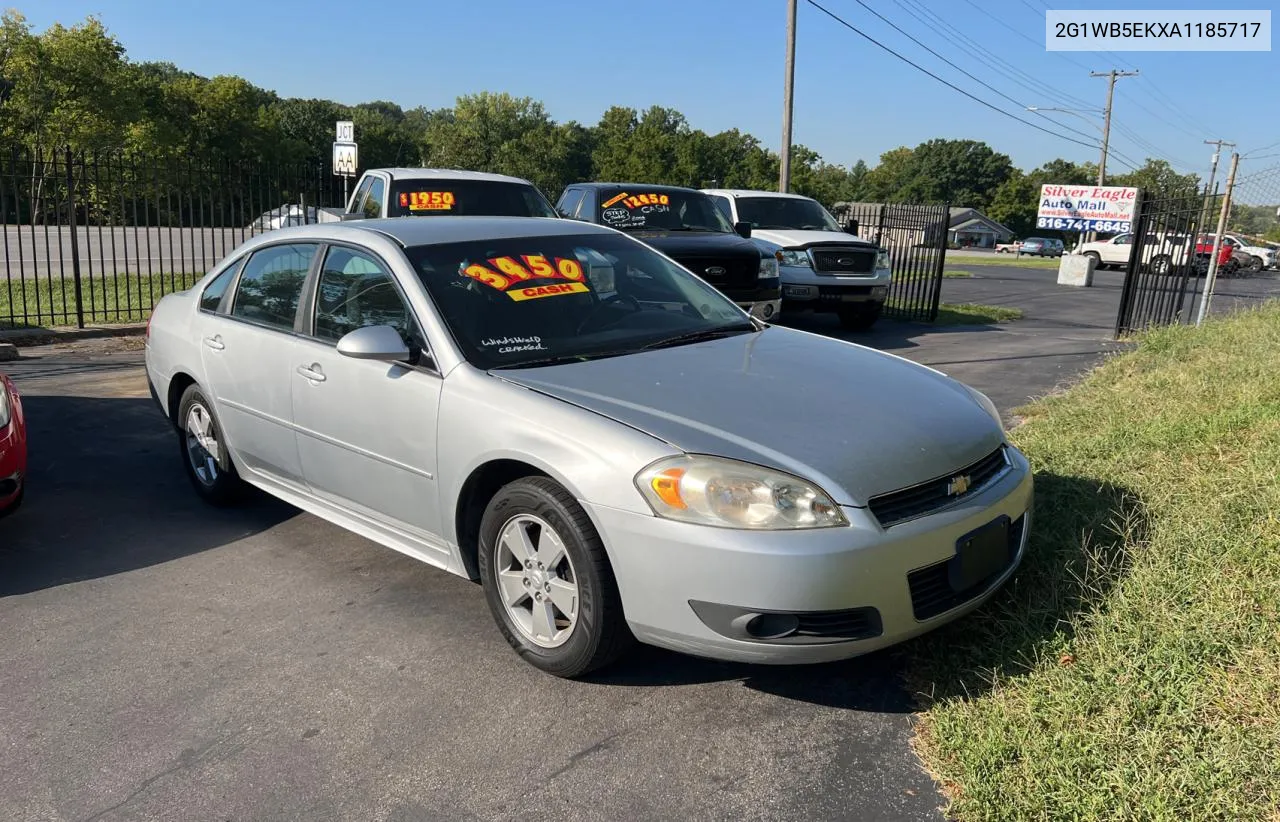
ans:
(215, 342)
(312, 372)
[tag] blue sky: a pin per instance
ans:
(721, 64)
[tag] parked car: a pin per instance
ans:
(1009, 248)
(685, 225)
(1249, 256)
(606, 443)
(823, 265)
(433, 192)
(13, 447)
(1114, 251)
(1228, 260)
(291, 214)
(1041, 247)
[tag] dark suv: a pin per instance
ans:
(685, 225)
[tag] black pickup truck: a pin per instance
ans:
(685, 225)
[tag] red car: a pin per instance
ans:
(1227, 265)
(13, 447)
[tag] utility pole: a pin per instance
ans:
(1111, 76)
(1212, 275)
(784, 175)
(1213, 172)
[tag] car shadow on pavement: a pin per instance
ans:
(886, 334)
(1079, 550)
(106, 493)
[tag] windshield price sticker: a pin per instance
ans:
(638, 200)
(506, 274)
(427, 200)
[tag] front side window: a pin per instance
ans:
(723, 204)
(782, 213)
(645, 209)
(373, 203)
(211, 297)
(518, 301)
(271, 285)
(355, 291)
(1123, 239)
(467, 198)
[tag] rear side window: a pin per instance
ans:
(271, 285)
(569, 201)
(373, 203)
(211, 298)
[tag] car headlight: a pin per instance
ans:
(5, 411)
(882, 259)
(768, 269)
(987, 405)
(731, 494)
(792, 256)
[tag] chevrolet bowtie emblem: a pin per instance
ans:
(958, 485)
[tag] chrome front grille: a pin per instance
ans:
(843, 260)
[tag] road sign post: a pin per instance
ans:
(346, 154)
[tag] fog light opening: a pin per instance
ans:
(772, 626)
(768, 310)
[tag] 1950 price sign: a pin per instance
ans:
(1071, 224)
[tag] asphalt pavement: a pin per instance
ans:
(161, 659)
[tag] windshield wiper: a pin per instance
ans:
(700, 336)
(559, 360)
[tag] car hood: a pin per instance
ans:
(854, 420)
(803, 239)
(676, 244)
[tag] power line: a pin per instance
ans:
(946, 83)
(980, 53)
(1264, 148)
(982, 83)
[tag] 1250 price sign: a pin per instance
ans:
(1072, 224)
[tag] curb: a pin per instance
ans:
(8, 351)
(45, 336)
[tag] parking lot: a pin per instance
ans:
(164, 660)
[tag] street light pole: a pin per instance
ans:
(1213, 172)
(784, 173)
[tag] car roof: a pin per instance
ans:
(746, 192)
(636, 186)
(412, 231)
(447, 174)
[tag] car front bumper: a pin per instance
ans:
(804, 289)
(682, 584)
(13, 465)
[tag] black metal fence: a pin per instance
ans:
(916, 238)
(98, 238)
(1168, 262)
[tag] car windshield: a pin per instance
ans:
(644, 209)
(467, 198)
(1034, 241)
(531, 301)
(786, 213)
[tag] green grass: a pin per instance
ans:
(1131, 670)
(1005, 259)
(123, 299)
(974, 314)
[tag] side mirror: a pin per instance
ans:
(851, 227)
(743, 230)
(374, 342)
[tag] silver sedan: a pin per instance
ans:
(609, 446)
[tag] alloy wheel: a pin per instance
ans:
(536, 581)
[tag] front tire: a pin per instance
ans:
(204, 451)
(548, 581)
(1097, 260)
(859, 318)
(1255, 265)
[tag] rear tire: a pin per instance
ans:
(536, 541)
(859, 318)
(204, 451)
